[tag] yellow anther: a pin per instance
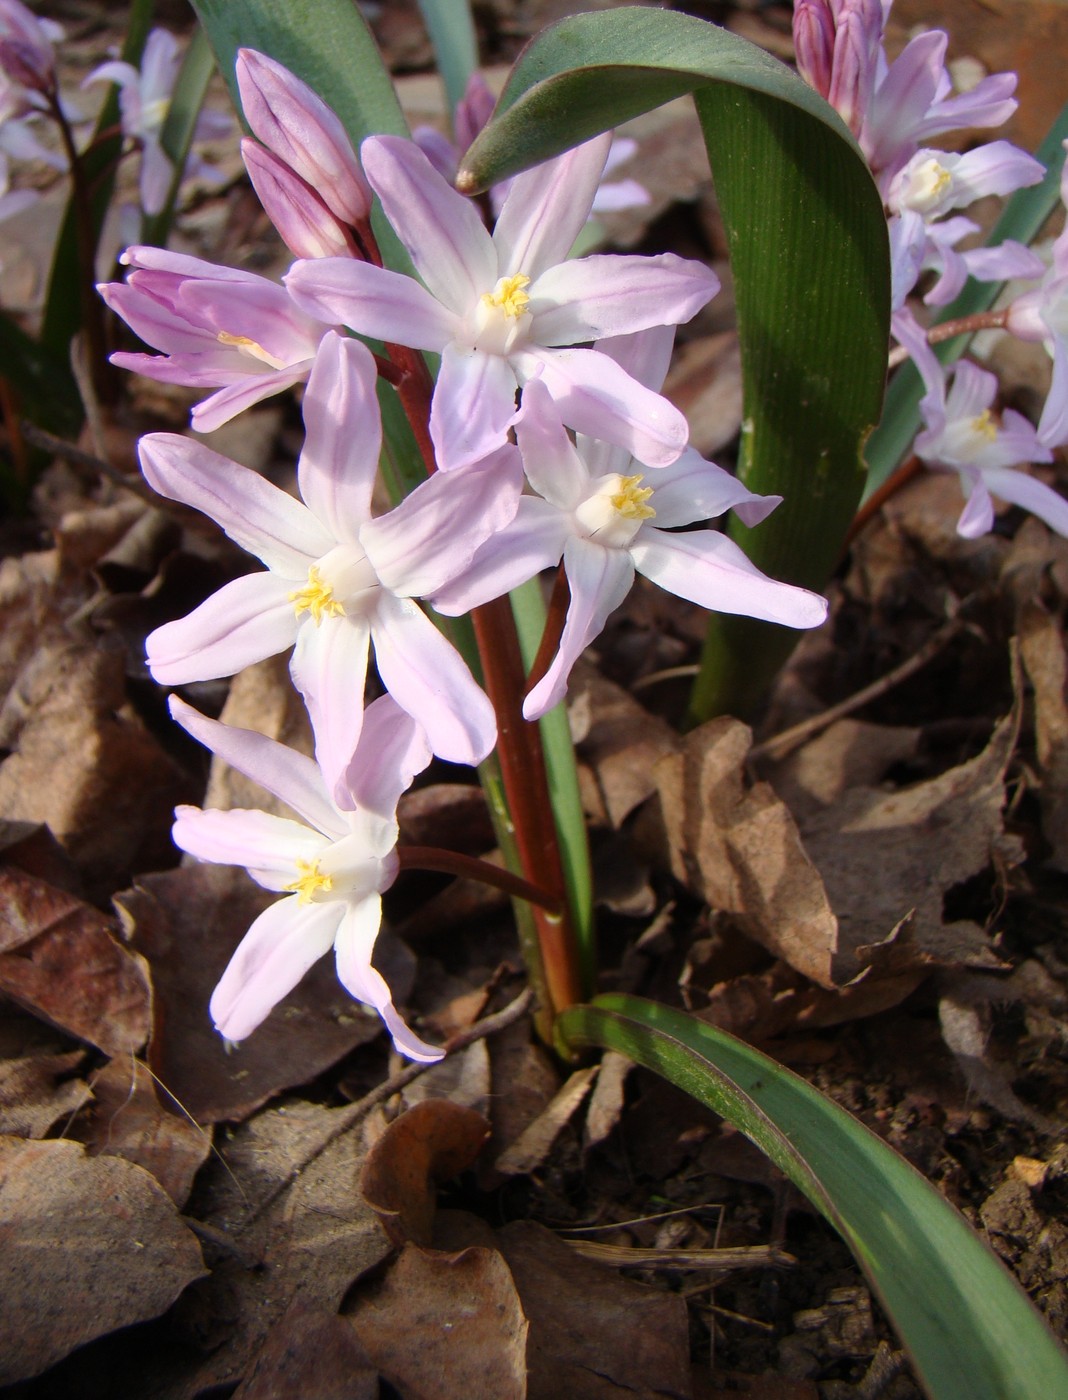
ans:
(310, 882)
(630, 499)
(249, 347)
(316, 598)
(985, 426)
(509, 295)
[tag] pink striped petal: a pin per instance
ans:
(611, 294)
(244, 622)
(547, 207)
(373, 301)
(329, 668)
(473, 406)
(268, 847)
(343, 440)
(391, 751)
(354, 946)
(279, 948)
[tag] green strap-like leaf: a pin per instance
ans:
(970, 1329)
(179, 128)
(809, 259)
(452, 33)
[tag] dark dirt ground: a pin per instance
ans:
(903, 943)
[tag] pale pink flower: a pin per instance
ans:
(217, 326)
(305, 224)
(595, 509)
(503, 309)
(320, 589)
(145, 100)
(963, 433)
(332, 865)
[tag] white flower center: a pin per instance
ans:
(927, 186)
(249, 347)
(154, 114)
(501, 318)
(340, 584)
(612, 514)
(967, 439)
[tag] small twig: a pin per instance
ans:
(471, 868)
(949, 330)
(70, 452)
(784, 743)
(350, 1116)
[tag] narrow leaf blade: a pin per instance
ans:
(972, 1332)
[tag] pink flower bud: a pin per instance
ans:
(856, 48)
(27, 65)
(301, 130)
(814, 43)
(306, 225)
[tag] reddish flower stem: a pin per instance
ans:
(471, 868)
(555, 618)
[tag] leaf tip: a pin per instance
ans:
(467, 182)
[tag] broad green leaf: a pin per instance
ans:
(179, 128)
(452, 33)
(1022, 219)
(971, 1331)
(809, 260)
(68, 292)
(43, 382)
(325, 42)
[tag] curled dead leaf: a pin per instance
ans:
(432, 1142)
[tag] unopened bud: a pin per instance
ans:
(814, 43)
(307, 227)
(27, 65)
(301, 130)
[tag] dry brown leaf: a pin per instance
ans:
(31, 847)
(850, 753)
(446, 1326)
(37, 1091)
(127, 1120)
(523, 1080)
(187, 923)
(1043, 655)
(462, 1078)
(433, 1141)
(84, 764)
(620, 742)
(282, 1197)
(593, 1334)
(606, 1103)
(534, 1144)
(885, 856)
(310, 1353)
(58, 959)
(89, 1245)
(740, 849)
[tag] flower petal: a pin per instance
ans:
(268, 847)
(392, 749)
(709, 569)
(547, 207)
(289, 775)
(219, 408)
(611, 294)
(255, 514)
(442, 231)
(343, 439)
(244, 622)
(427, 677)
(595, 396)
(473, 407)
(599, 579)
(534, 541)
(270, 960)
(371, 300)
(1030, 493)
(432, 536)
(329, 668)
(354, 945)
(692, 489)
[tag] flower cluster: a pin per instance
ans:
(895, 108)
(551, 442)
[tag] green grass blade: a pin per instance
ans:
(1021, 219)
(179, 128)
(452, 33)
(971, 1331)
(43, 382)
(63, 305)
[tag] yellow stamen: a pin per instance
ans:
(630, 499)
(509, 295)
(985, 425)
(250, 347)
(310, 882)
(317, 598)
